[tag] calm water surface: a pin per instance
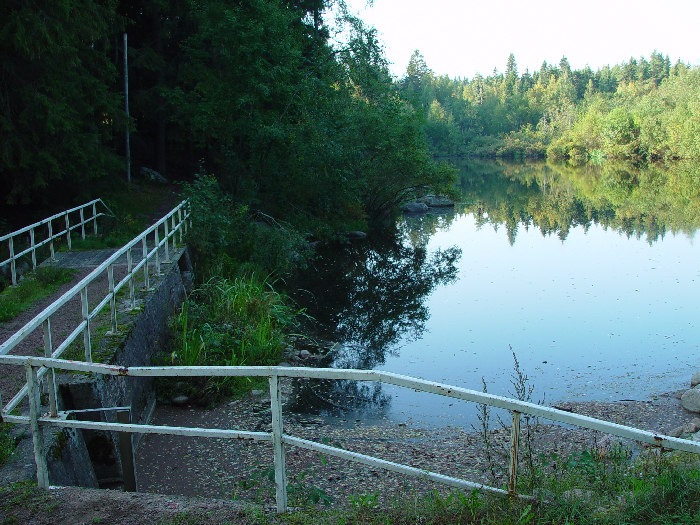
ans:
(591, 278)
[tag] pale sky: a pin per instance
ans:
(462, 37)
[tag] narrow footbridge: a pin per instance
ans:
(154, 245)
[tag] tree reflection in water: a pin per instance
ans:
(367, 296)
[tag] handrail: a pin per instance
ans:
(279, 438)
(33, 245)
(175, 221)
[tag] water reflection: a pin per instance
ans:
(587, 272)
(641, 202)
(367, 296)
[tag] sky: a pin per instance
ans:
(459, 38)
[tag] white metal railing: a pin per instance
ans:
(279, 439)
(163, 236)
(68, 226)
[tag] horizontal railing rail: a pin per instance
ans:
(163, 234)
(34, 243)
(279, 439)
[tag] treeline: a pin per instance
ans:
(639, 110)
(251, 91)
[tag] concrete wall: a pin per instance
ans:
(145, 335)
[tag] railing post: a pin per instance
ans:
(167, 248)
(42, 471)
(179, 222)
(157, 241)
(144, 246)
(68, 232)
(94, 218)
(51, 376)
(172, 229)
(112, 299)
(31, 243)
(129, 269)
(13, 265)
(82, 223)
(278, 445)
(126, 452)
(513, 467)
(86, 318)
(53, 254)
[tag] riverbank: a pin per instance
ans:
(224, 475)
(226, 469)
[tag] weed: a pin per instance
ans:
(7, 443)
(34, 286)
(228, 322)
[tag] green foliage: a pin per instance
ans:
(225, 235)
(637, 110)
(230, 322)
(59, 98)
(7, 443)
(34, 286)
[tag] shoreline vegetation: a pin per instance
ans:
(296, 139)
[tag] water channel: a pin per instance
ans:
(590, 276)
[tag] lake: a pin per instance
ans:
(591, 277)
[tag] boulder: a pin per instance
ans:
(436, 201)
(180, 400)
(690, 400)
(153, 175)
(356, 235)
(695, 380)
(415, 207)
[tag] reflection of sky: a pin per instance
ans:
(614, 318)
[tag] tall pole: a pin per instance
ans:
(126, 103)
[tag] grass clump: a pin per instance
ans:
(228, 322)
(36, 285)
(7, 444)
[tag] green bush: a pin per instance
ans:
(225, 235)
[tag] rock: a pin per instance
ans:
(694, 425)
(543, 495)
(415, 207)
(304, 354)
(284, 363)
(256, 393)
(695, 437)
(578, 494)
(356, 235)
(690, 400)
(436, 201)
(153, 175)
(695, 380)
(676, 432)
(180, 400)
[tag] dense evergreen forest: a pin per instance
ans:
(293, 119)
(290, 105)
(641, 110)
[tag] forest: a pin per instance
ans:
(642, 110)
(290, 106)
(296, 117)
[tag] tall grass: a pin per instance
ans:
(231, 322)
